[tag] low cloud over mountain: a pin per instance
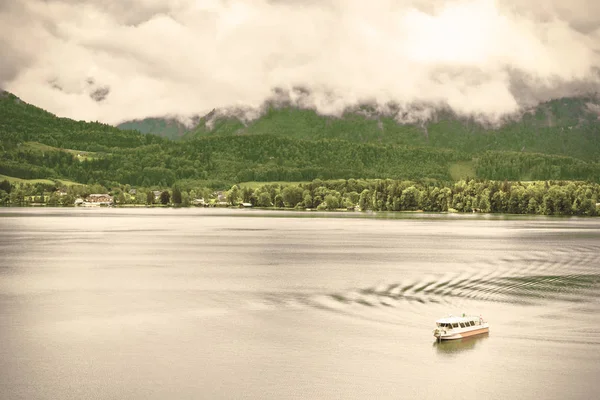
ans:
(483, 58)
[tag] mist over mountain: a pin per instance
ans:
(168, 127)
(122, 60)
(562, 126)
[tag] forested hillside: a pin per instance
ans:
(568, 127)
(298, 145)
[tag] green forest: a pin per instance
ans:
(551, 151)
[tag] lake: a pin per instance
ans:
(230, 304)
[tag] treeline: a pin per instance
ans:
(465, 196)
(546, 197)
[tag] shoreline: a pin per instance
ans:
(310, 213)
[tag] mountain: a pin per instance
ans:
(558, 140)
(568, 126)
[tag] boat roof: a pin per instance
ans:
(452, 319)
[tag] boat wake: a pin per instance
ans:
(530, 278)
(511, 289)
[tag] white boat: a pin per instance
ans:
(460, 327)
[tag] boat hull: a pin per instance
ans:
(461, 335)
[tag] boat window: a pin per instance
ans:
(472, 323)
(455, 325)
(462, 325)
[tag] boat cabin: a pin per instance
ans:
(458, 322)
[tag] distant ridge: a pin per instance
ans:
(565, 126)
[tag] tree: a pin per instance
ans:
(176, 196)
(247, 193)
(349, 204)
(352, 197)
(165, 197)
(444, 199)
(6, 186)
(17, 196)
(279, 201)
(364, 200)
(67, 200)
(484, 201)
(234, 195)
(264, 200)
(292, 195)
(308, 200)
(53, 200)
(185, 199)
(410, 198)
(332, 202)
(4, 197)
(532, 206)
(499, 202)
(517, 202)
(588, 207)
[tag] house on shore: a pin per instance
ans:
(220, 197)
(95, 200)
(100, 198)
(200, 202)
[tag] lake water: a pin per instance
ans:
(231, 304)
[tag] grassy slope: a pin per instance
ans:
(13, 180)
(81, 155)
(255, 184)
(462, 170)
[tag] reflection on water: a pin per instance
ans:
(459, 345)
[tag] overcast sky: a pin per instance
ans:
(114, 60)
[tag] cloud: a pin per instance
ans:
(481, 58)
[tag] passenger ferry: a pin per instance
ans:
(460, 327)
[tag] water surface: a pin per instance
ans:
(224, 304)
